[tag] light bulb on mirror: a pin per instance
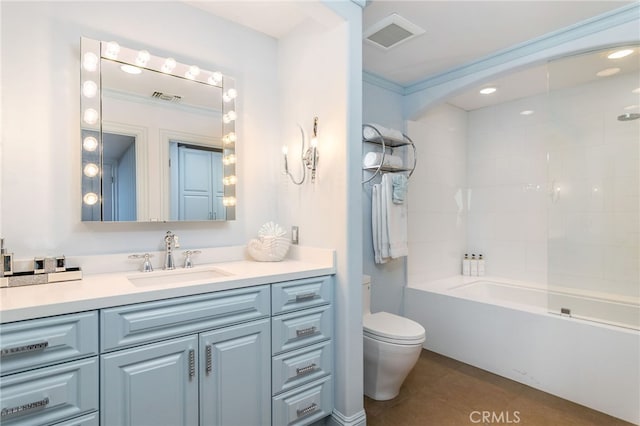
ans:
(90, 116)
(91, 170)
(89, 89)
(90, 61)
(229, 159)
(228, 201)
(168, 66)
(192, 73)
(230, 95)
(229, 180)
(215, 78)
(90, 144)
(113, 48)
(143, 58)
(90, 198)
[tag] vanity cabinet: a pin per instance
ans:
(260, 355)
(49, 369)
(302, 355)
(216, 374)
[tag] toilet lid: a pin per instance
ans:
(392, 326)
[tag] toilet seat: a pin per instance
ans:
(391, 328)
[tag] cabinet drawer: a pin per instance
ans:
(92, 419)
(304, 405)
(146, 322)
(301, 294)
(49, 395)
(297, 329)
(305, 365)
(39, 342)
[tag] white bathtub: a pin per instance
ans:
(506, 328)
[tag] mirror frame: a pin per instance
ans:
(91, 126)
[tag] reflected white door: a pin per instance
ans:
(195, 188)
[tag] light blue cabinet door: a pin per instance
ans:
(155, 384)
(235, 383)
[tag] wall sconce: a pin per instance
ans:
(309, 158)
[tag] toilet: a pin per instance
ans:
(392, 345)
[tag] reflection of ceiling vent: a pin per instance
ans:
(391, 31)
(166, 97)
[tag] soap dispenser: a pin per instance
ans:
(6, 269)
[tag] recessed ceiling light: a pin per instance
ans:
(526, 112)
(488, 90)
(608, 72)
(620, 53)
(130, 69)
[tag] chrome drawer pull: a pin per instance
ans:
(305, 370)
(24, 349)
(209, 360)
(306, 331)
(305, 411)
(25, 407)
(304, 297)
(192, 364)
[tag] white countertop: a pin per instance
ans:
(101, 290)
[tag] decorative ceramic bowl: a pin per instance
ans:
(271, 244)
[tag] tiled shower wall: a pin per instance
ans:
(437, 206)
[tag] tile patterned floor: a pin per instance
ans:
(440, 391)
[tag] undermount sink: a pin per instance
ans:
(177, 276)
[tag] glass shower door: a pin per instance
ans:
(593, 166)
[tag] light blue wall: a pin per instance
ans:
(382, 106)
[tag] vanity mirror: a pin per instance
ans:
(158, 138)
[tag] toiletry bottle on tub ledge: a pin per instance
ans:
(474, 265)
(466, 267)
(480, 266)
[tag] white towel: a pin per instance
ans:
(396, 220)
(376, 228)
(388, 222)
(369, 133)
(373, 159)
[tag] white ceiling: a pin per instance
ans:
(457, 32)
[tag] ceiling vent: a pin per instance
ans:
(391, 31)
(166, 97)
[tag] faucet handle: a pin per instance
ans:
(188, 263)
(146, 265)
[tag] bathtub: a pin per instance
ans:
(505, 327)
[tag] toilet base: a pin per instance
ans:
(386, 366)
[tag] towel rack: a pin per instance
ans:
(388, 143)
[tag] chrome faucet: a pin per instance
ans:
(170, 243)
